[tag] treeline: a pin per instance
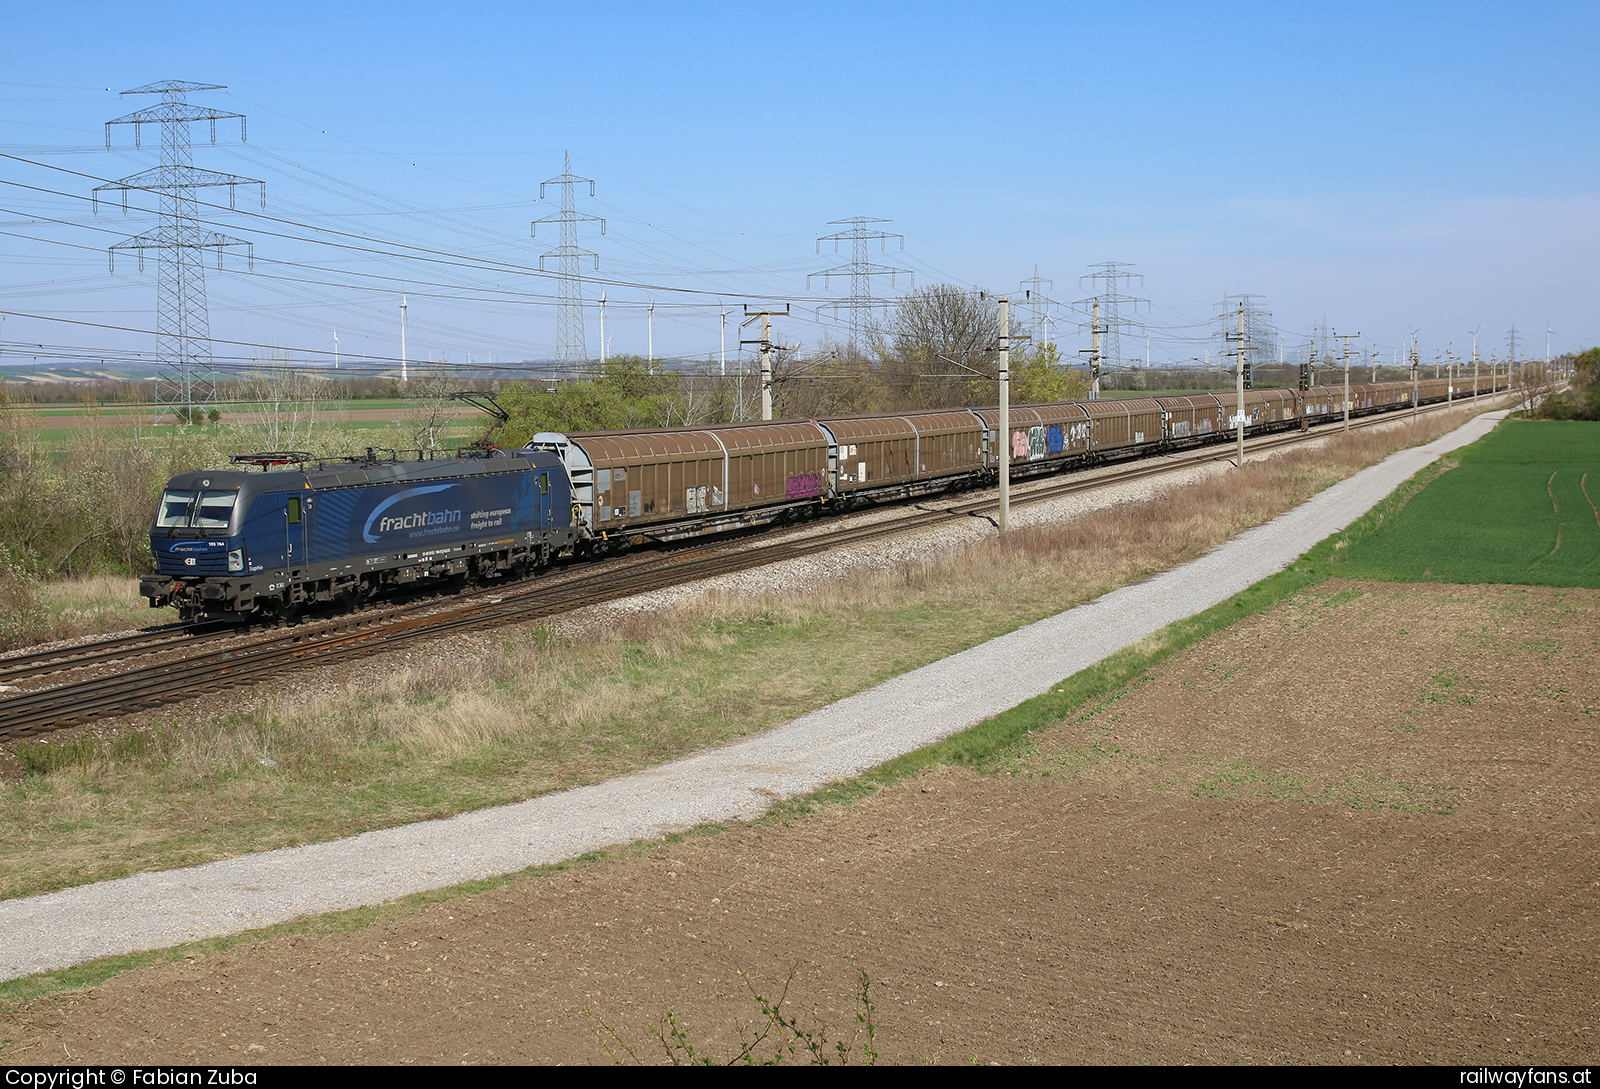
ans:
(109, 391)
(84, 504)
(1580, 400)
(938, 351)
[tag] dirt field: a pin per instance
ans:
(1359, 828)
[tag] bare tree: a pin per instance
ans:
(832, 380)
(282, 409)
(700, 396)
(429, 409)
(938, 332)
(1532, 383)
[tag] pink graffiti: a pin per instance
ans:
(803, 486)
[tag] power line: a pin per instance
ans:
(1034, 293)
(1106, 320)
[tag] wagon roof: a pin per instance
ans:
(1120, 406)
(633, 447)
(1192, 400)
(770, 435)
(1064, 412)
(848, 428)
(709, 441)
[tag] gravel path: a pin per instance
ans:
(155, 910)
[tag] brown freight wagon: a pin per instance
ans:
(1373, 396)
(1191, 418)
(1043, 437)
(1364, 397)
(911, 453)
(1124, 425)
(1433, 389)
(675, 482)
(1265, 408)
(1323, 402)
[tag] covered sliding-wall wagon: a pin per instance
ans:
(1265, 407)
(1124, 425)
(910, 453)
(1043, 437)
(1191, 417)
(672, 482)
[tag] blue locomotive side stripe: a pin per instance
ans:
(366, 530)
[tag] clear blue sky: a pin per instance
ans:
(1384, 166)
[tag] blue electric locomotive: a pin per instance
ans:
(230, 545)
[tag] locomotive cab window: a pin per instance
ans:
(293, 510)
(215, 510)
(202, 510)
(176, 508)
(544, 483)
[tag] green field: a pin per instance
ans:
(112, 408)
(1522, 507)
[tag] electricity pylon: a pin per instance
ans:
(570, 346)
(860, 301)
(183, 326)
(1034, 293)
(1110, 321)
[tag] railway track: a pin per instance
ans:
(18, 666)
(247, 659)
(178, 639)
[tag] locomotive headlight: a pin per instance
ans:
(236, 560)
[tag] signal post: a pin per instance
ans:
(1005, 411)
(1347, 338)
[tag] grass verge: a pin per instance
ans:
(34, 611)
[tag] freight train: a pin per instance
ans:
(236, 545)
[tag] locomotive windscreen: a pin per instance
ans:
(182, 508)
